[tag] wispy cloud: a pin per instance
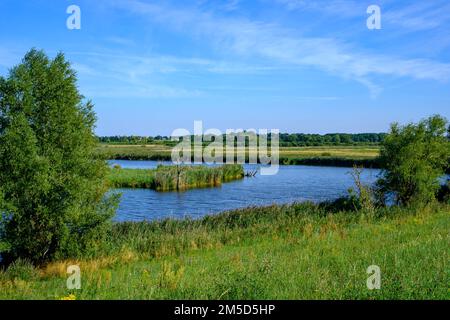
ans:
(324, 98)
(134, 66)
(142, 91)
(423, 15)
(126, 76)
(231, 5)
(83, 69)
(120, 41)
(337, 8)
(134, 75)
(420, 15)
(281, 45)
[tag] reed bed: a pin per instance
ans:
(298, 251)
(169, 178)
(342, 156)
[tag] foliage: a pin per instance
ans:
(413, 158)
(365, 194)
(53, 191)
(316, 156)
(21, 269)
(286, 139)
(168, 178)
(372, 163)
(299, 251)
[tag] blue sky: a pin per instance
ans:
(299, 66)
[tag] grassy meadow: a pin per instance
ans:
(288, 155)
(56, 211)
(134, 152)
(167, 178)
(299, 251)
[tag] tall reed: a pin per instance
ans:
(168, 178)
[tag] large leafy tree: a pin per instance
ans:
(414, 158)
(52, 189)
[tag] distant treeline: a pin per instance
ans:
(301, 139)
(286, 139)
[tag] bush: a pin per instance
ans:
(21, 269)
(414, 158)
(348, 203)
(53, 202)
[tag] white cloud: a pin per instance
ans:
(133, 67)
(231, 5)
(141, 91)
(424, 15)
(121, 41)
(83, 69)
(337, 8)
(280, 45)
(421, 15)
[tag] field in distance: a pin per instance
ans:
(163, 152)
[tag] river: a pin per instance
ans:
(291, 184)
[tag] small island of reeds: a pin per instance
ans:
(176, 177)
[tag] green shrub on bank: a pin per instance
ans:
(52, 189)
(414, 157)
(21, 269)
(298, 251)
(170, 237)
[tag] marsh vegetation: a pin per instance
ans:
(169, 178)
(55, 211)
(344, 156)
(299, 251)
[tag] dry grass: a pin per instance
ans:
(158, 152)
(59, 268)
(277, 252)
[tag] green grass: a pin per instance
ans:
(350, 152)
(329, 155)
(301, 251)
(167, 178)
(134, 152)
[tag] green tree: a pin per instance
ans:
(414, 157)
(53, 202)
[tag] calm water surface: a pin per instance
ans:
(292, 183)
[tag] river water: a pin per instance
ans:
(291, 184)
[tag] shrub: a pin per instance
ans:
(53, 190)
(365, 194)
(414, 157)
(21, 269)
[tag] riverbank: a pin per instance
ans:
(168, 178)
(325, 156)
(343, 156)
(370, 163)
(299, 251)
